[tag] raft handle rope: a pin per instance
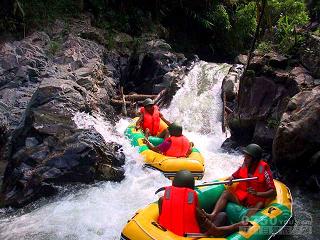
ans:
(158, 226)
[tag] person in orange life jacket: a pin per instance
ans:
(149, 119)
(252, 194)
(176, 145)
(179, 210)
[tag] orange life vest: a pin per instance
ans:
(179, 147)
(151, 121)
(258, 185)
(178, 212)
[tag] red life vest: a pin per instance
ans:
(258, 185)
(178, 212)
(179, 147)
(151, 121)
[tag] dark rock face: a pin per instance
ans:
(148, 66)
(310, 55)
(230, 84)
(77, 157)
(39, 95)
(297, 140)
(260, 110)
(48, 148)
(265, 93)
(22, 66)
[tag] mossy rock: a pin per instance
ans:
(250, 74)
(292, 106)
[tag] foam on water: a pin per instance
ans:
(101, 210)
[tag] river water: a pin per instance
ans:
(100, 210)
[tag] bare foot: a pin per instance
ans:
(211, 216)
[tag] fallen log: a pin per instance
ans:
(137, 97)
(228, 110)
(124, 108)
(119, 102)
(224, 118)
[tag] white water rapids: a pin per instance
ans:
(101, 210)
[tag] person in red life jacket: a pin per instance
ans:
(149, 120)
(176, 145)
(251, 194)
(179, 210)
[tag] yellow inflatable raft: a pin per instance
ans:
(265, 224)
(168, 165)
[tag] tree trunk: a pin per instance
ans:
(256, 35)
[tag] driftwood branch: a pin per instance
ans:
(224, 113)
(137, 97)
(120, 102)
(253, 44)
(124, 108)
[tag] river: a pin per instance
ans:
(100, 210)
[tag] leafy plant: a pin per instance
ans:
(273, 123)
(54, 47)
(264, 47)
(289, 14)
(245, 25)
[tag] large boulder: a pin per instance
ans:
(148, 66)
(261, 105)
(48, 148)
(230, 84)
(310, 55)
(41, 89)
(297, 139)
(270, 81)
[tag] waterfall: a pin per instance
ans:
(100, 211)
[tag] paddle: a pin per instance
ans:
(195, 235)
(217, 183)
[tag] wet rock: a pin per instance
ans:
(264, 133)
(31, 142)
(257, 63)
(297, 137)
(277, 61)
(41, 94)
(281, 76)
(71, 156)
(230, 145)
(241, 59)
(230, 84)
(22, 63)
(86, 82)
(149, 64)
(302, 77)
(262, 103)
(310, 55)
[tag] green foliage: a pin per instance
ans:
(221, 27)
(8, 24)
(221, 18)
(264, 47)
(287, 15)
(245, 25)
(110, 42)
(273, 123)
(37, 13)
(54, 47)
(317, 32)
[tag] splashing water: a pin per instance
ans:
(101, 210)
